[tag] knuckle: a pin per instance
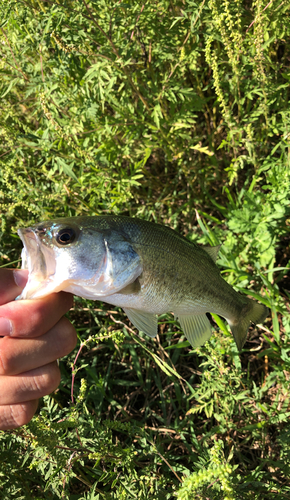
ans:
(50, 379)
(68, 338)
(72, 338)
(2, 363)
(13, 416)
(21, 414)
(68, 299)
(6, 361)
(43, 381)
(37, 315)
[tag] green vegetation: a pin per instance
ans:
(155, 110)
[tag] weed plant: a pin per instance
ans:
(175, 112)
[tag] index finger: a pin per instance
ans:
(28, 318)
(32, 318)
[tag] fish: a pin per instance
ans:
(145, 268)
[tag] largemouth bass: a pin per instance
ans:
(145, 268)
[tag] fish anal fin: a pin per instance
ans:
(196, 327)
(144, 321)
(212, 251)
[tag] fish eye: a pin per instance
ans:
(65, 236)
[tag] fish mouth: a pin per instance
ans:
(39, 261)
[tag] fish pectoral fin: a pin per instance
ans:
(144, 321)
(196, 327)
(132, 288)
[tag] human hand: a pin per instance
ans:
(30, 345)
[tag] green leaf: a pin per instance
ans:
(66, 168)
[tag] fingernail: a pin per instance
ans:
(5, 327)
(20, 277)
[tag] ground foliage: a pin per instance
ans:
(176, 112)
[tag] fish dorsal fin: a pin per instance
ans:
(144, 321)
(196, 327)
(212, 251)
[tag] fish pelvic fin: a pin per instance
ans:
(252, 312)
(144, 321)
(196, 327)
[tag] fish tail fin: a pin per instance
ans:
(252, 312)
